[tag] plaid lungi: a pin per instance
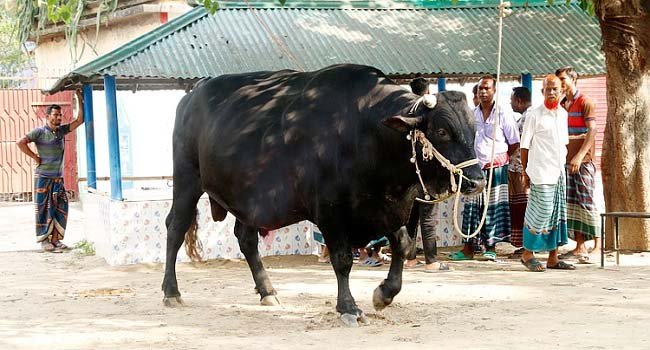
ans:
(518, 188)
(581, 209)
(51, 208)
(497, 221)
(545, 225)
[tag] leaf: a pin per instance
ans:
(282, 2)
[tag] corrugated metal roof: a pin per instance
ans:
(400, 42)
(368, 4)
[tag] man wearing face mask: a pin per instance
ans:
(543, 151)
(50, 197)
(583, 218)
(505, 139)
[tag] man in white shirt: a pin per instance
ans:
(543, 154)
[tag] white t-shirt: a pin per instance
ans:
(545, 135)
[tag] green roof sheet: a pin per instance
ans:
(370, 4)
(458, 41)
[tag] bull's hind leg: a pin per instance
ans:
(181, 219)
(247, 237)
(400, 244)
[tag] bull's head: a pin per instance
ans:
(448, 124)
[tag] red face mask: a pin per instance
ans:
(551, 105)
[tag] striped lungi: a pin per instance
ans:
(581, 210)
(518, 188)
(497, 221)
(545, 223)
(51, 208)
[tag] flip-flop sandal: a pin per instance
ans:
(533, 265)
(569, 256)
(372, 262)
(459, 256)
(442, 268)
(417, 265)
(561, 265)
(47, 247)
(588, 259)
(489, 256)
(60, 245)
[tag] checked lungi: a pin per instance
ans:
(497, 221)
(51, 208)
(518, 188)
(545, 223)
(582, 212)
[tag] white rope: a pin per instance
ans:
(503, 12)
(429, 152)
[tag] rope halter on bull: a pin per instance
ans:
(428, 151)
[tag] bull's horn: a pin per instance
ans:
(429, 101)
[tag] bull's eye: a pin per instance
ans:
(443, 134)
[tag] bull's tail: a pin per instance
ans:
(193, 246)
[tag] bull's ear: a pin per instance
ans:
(402, 124)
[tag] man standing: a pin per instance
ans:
(50, 196)
(582, 212)
(505, 138)
(518, 185)
(424, 213)
(543, 151)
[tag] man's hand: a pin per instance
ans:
(80, 112)
(575, 163)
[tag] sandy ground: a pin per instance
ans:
(69, 301)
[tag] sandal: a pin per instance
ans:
(588, 259)
(561, 265)
(442, 267)
(534, 265)
(47, 246)
(417, 264)
(459, 256)
(371, 262)
(570, 255)
(489, 256)
(60, 245)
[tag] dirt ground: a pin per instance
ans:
(70, 301)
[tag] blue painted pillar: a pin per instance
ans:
(89, 124)
(113, 138)
(527, 81)
(442, 84)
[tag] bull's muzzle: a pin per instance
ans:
(473, 186)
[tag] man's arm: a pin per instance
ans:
(23, 146)
(513, 148)
(80, 113)
(524, 158)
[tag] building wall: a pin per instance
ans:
(53, 57)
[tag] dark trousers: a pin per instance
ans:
(423, 213)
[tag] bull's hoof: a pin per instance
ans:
(353, 320)
(173, 301)
(270, 300)
(379, 301)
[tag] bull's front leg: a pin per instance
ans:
(400, 244)
(342, 259)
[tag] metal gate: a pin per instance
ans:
(21, 110)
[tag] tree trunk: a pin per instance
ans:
(625, 27)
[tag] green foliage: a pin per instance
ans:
(32, 16)
(84, 248)
(12, 58)
(586, 5)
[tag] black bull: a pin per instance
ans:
(329, 146)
